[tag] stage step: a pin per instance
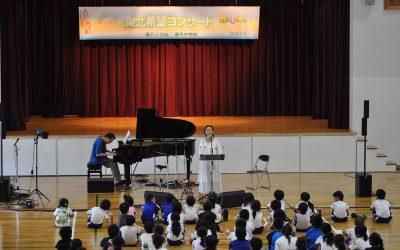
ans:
(380, 155)
(376, 161)
(393, 165)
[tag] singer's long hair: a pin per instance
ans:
(205, 128)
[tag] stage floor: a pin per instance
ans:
(224, 125)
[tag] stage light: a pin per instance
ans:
(41, 133)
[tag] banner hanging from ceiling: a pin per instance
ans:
(165, 22)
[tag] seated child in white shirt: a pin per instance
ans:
(362, 239)
(145, 238)
(158, 242)
(381, 208)
(98, 214)
(350, 233)
(191, 210)
(279, 195)
(301, 218)
(130, 232)
(199, 242)
(305, 197)
(339, 208)
(175, 231)
(257, 217)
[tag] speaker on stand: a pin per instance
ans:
(364, 179)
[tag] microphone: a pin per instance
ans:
(16, 141)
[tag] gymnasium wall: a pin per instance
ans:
(375, 74)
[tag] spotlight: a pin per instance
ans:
(41, 133)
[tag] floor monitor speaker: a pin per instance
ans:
(231, 199)
(100, 185)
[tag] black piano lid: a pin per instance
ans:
(150, 126)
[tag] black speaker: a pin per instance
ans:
(363, 185)
(100, 185)
(5, 194)
(231, 199)
(3, 121)
(160, 196)
(366, 108)
(364, 128)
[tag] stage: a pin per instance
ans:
(224, 125)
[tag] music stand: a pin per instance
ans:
(212, 157)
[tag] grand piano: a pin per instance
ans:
(156, 136)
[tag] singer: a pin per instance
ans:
(209, 145)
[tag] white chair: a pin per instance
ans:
(259, 173)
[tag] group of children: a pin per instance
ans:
(249, 222)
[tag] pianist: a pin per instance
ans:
(99, 156)
(209, 145)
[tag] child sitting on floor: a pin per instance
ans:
(305, 198)
(107, 241)
(362, 238)
(145, 238)
(257, 217)
(350, 233)
(63, 213)
(301, 218)
(199, 242)
(339, 208)
(279, 195)
(129, 200)
(97, 215)
(191, 210)
(166, 208)
(240, 243)
(65, 242)
(175, 231)
(381, 208)
(150, 209)
(130, 232)
(123, 208)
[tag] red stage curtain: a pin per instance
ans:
(298, 66)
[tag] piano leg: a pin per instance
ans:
(127, 173)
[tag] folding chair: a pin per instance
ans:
(259, 173)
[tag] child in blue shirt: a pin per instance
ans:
(150, 209)
(166, 208)
(240, 243)
(277, 226)
(314, 232)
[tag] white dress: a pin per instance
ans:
(204, 176)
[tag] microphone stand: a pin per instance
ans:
(212, 169)
(36, 190)
(16, 149)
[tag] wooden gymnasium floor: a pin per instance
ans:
(224, 125)
(35, 228)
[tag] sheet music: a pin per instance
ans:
(128, 134)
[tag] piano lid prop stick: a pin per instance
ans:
(97, 200)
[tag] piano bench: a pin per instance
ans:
(94, 169)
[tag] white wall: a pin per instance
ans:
(294, 153)
(375, 74)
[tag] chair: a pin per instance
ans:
(94, 169)
(259, 173)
